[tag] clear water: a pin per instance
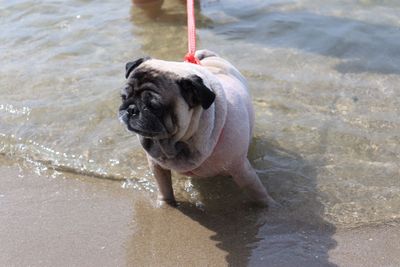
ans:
(324, 79)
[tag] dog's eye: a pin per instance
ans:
(153, 104)
(147, 97)
(125, 92)
(151, 100)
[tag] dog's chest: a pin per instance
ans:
(169, 153)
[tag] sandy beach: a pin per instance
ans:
(84, 221)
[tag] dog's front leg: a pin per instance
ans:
(164, 182)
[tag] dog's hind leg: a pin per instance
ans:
(246, 177)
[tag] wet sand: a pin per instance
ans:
(72, 220)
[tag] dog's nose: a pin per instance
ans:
(132, 110)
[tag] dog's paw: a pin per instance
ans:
(266, 202)
(162, 202)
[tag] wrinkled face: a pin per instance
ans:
(148, 104)
(157, 103)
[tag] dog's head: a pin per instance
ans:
(157, 103)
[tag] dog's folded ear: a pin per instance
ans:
(130, 66)
(195, 92)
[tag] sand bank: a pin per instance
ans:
(84, 221)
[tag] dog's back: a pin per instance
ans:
(234, 140)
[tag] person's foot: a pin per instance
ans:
(152, 8)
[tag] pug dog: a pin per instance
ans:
(193, 119)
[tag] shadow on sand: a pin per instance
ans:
(293, 235)
(226, 229)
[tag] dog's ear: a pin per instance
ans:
(130, 66)
(195, 92)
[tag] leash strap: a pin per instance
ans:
(191, 24)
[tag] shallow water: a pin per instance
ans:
(324, 80)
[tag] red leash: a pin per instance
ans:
(190, 56)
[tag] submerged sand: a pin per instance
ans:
(72, 220)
